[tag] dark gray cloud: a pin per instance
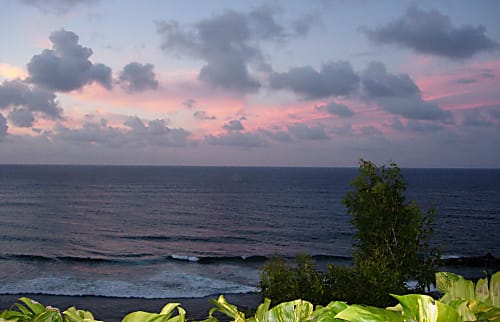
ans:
(487, 73)
(466, 81)
(3, 126)
(413, 107)
(304, 132)
(377, 83)
(228, 44)
(481, 116)
(24, 100)
(336, 109)
(280, 136)
(234, 125)
(425, 126)
(156, 133)
(66, 66)
(236, 139)
(302, 25)
(136, 77)
(398, 94)
(22, 117)
(189, 103)
(431, 32)
(333, 79)
(370, 131)
(57, 6)
(137, 133)
(202, 115)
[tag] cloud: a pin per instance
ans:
(22, 117)
(424, 126)
(234, 125)
(23, 100)
(430, 32)
(481, 116)
(189, 103)
(156, 132)
(398, 94)
(333, 79)
(3, 127)
(136, 133)
(413, 107)
(377, 83)
(336, 109)
(202, 115)
(57, 6)
(304, 132)
(236, 139)
(66, 66)
(228, 44)
(280, 136)
(136, 77)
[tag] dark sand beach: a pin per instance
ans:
(111, 309)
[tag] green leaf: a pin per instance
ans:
(482, 291)
(293, 311)
(74, 315)
(328, 313)
(230, 310)
(34, 306)
(495, 289)
(164, 315)
(424, 308)
(260, 315)
(360, 313)
(444, 281)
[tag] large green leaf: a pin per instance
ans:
(74, 315)
(293, 311)
(230, 310)
(165, 315)
(495, 289)
(423, 308)
(361, 313)
(328, 313)
(34, 306)
(260, 315)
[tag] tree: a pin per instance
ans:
(391, 244)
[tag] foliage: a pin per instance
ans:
(472, 301)
(29, 310)
(282, 282)
(391, 247)
(165, 315)
(463, 301)
(391, 243)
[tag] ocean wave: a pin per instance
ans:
(145, 259)
(176, 285)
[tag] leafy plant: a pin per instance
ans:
(283, 282)
(165, 315)
(472, 301)
(29, 310)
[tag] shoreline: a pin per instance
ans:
(114, 309)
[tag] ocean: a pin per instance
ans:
(177, 232)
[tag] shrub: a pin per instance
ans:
(391, 247)
(391, 244)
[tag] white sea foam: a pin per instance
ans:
(186, 258)
(167, 285)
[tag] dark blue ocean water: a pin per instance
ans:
(159, 232)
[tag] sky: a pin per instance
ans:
(250, 83)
